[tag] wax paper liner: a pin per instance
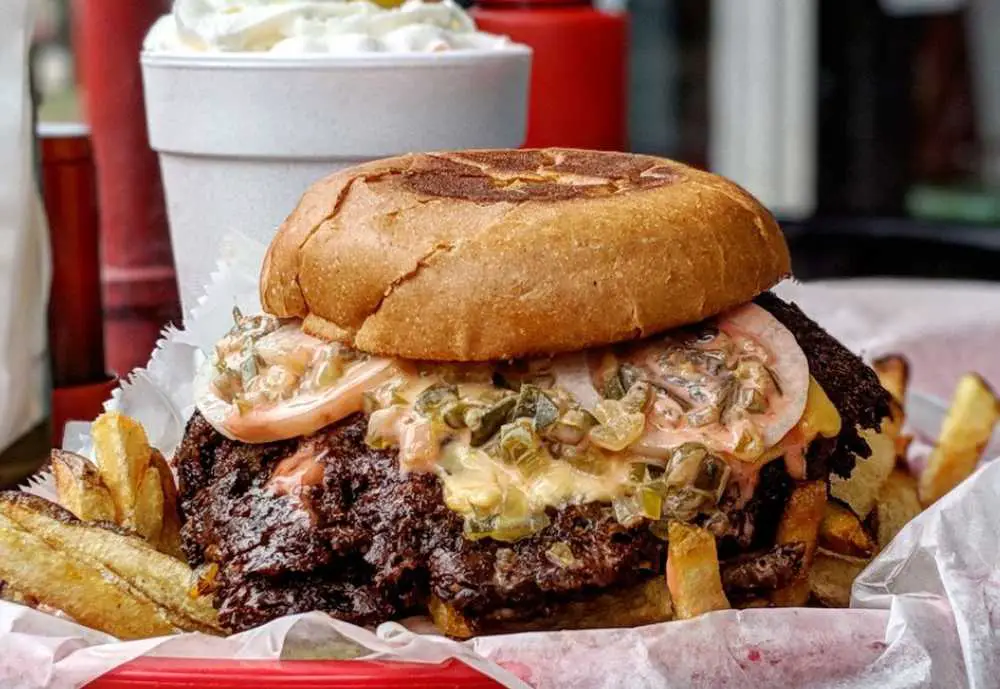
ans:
(925, 612)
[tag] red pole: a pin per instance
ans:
(140, 291)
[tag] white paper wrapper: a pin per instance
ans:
(925, 610)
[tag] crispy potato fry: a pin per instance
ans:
(902, 451)
(148, 516)
(860, 490)
(893, 371)
(123, 456)
(162, 579)
(13, 595)
(897, 504)
(693, 576)
(170, 535)
(80, 488)
(90, 594)
(842, 532)
(965, 433)
(832, 576)
(800, 524)
(893, 425)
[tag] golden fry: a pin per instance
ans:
(897, 504)
(902, 450)
(832, 576)
(965, 433)
(162, 579)
(893, 425)
(893, 372)
(800, 524)
(693, 571)
(170, 535)
(80, 488)
(90, 594)
(860, 490)
(842, 532)
(123, 456)
(148, 516)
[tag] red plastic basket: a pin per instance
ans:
(184, 673)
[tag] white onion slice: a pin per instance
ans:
(789, 365)
(301, 415)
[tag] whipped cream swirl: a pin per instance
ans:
(297, 27)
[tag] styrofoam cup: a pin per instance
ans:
(240, 137)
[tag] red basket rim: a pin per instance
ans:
(211, 673)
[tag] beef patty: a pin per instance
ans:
(369, 544)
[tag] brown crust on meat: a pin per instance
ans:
(850, 384)
(483, 255)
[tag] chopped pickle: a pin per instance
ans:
(628, 510)
(491, 420)
(572, 427)
(684, 464)
(520, 447)
(534, 403)
(651, 503)
(637, 473)
(629, 375)
(455, 412)
(430, 401)
(712, 476)
(637, 397)
(561, 555)
(248, 368)
(682, 504)
(613, 388)
(587, 462)
(618, 428)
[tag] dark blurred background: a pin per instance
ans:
(870, 127)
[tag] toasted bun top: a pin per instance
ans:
(480, 255)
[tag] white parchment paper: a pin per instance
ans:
(925, 613)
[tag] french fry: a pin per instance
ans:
(893, 425)
(88, 593)
(170, 535)
(860, 490)
(897, 504)
(893, 371)
(147, 519)
(693, 576)
(163, 580)
(842, 532)
(123, 456)
(902, 450)
(80, 488)
(12, 595)
(832, 576)
(965, 433)
(800, 524)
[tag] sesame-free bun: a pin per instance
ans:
(480, 255)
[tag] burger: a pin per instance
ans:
(485, 383)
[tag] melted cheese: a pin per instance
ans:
(820, 418)
(479, 482)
